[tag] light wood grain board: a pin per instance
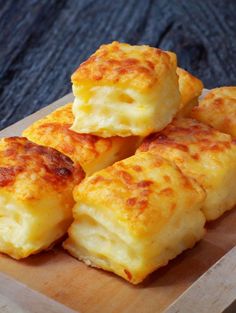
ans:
(87, 290)
(214, 291)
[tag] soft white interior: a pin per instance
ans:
(101, 241)
(25, 230)
(113, 110)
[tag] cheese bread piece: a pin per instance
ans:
(204, 154)
(36, 198)
(133, 217)
(91, 152)
(125, 90)
(190, 88)
(218, 109)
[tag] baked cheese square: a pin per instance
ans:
(204, 154)
(135, 216)
(190, 88)
(125, 90)
(36, 198)
(91, 152)
(218, 109)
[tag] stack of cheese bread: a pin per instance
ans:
(156, 169)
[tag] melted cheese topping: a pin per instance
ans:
(125, 90)
(190, 88)
(218, 109)
(36, 199)
(91, 152)
(122, 65)
(204, 154)
(131, 218)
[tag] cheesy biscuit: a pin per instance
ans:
(190, 88)
(36, 199)
(202, 153)
(134, 216)
(91, 152)
(125, 90)
(218, 109)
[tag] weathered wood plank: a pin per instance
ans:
(42, 42)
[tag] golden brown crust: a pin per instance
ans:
(85, 149)
(204, 154)
(54, 130)
(218, 109)
(120, 63)
(61, 115)
(182, 133)
(24, 161)
(190, 86)
(135, 216)
(69, 141)
(133, 195)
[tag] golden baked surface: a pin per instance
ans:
(131, 184)
(91, 152)
(21, 160)
(190, 88)
(203, 153)
(135, 216)
(218, 109)
(36, 200)
(121, 64)
(125, 90)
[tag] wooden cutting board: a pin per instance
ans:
(88, 290)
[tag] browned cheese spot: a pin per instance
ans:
(128, 274)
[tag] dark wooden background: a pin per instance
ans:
(43, 41)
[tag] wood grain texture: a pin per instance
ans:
(89, 290)
(43, 41)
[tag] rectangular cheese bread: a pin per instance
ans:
(218, 109)
(190, 88)
(125, 90)
(204, 154)
(134, 216)
(91, 152)
(36, 198)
